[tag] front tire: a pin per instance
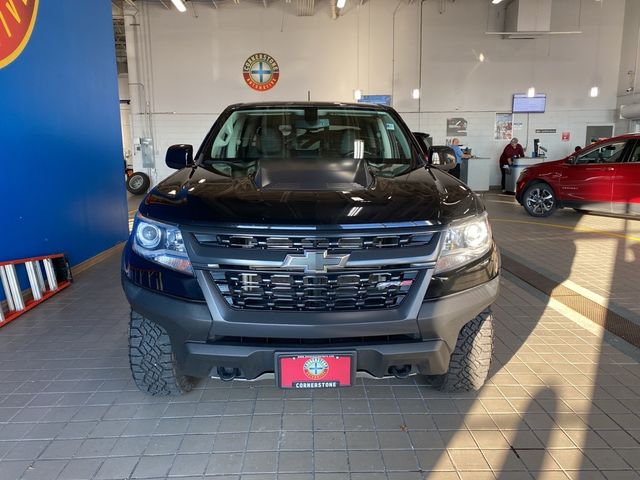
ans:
(471, 358)
(539, 200)
(153, 364)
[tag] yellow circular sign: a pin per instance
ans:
(17, 18)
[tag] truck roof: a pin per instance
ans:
(364, 106)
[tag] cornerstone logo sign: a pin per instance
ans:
(261, 72)
(17, 18)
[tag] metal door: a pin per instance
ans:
(597, 132)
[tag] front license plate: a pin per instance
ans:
(315, 370)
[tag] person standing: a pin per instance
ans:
(511, 151)
(455, 145)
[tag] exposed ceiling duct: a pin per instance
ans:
(523, 19)
(333, 6)
(305, 8)
(630, 112)
(528, 16)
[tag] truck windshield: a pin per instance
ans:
(311, 132)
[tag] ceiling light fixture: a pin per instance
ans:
(481, 57)
(594, 91)
(531, 92)
(496, 2)
(341, 3)
(415, 93)
(179, 4)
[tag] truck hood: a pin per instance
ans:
(201, 196)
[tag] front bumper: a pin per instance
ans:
(520, 187)
(424, 341)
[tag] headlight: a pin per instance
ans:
(464, 242)
(161, 244)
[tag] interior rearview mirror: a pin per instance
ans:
(179, 156)
(442, 157)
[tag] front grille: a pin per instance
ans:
(355, 290)
(275, 242)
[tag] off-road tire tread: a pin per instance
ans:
(151, 358)
(471, 358)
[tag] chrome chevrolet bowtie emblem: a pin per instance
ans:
(315, 262)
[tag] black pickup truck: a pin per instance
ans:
(313, 243)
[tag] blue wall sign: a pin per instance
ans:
(62, 164)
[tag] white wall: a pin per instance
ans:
(629, 80)
(191, 66)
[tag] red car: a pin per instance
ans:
(604, 177)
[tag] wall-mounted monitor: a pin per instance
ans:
(376, 99)
(524, 104)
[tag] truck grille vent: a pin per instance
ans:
(325, 292)
(301, 243)
(315, 342)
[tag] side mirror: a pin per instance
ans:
(442, 157)
(179, 156)
(424, 140)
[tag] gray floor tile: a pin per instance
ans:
(224, 463)
(14, 469)
(61, 449)
(297, 440)
(96, 447)
(299, 462)
(119, 467)
(230, 442)
(189, 465)
(155, 466)
(80, 469)
(362, 441)
(26, 450)
(127, 446)
(196, 443)
(263, 441)
(260, 462)
(44, 469)
(331, 461)
(400, 460)
(366, 461)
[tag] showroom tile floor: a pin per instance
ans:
(596, 252)
(560, 403)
